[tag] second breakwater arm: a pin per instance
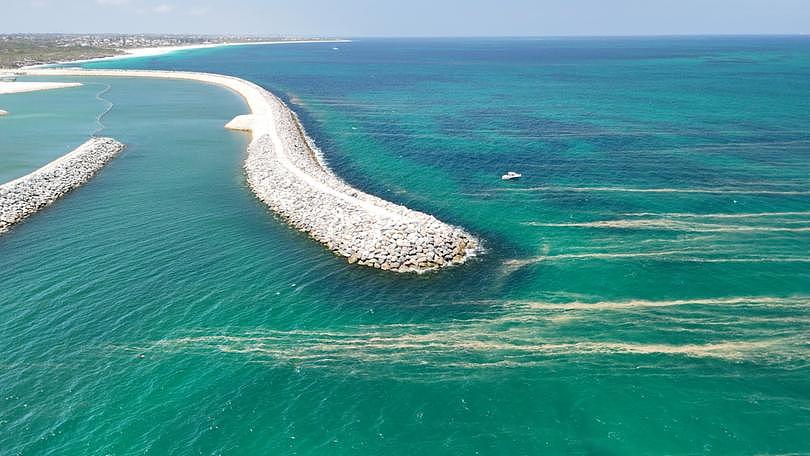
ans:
(285, 173)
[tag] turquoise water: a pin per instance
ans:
(645, 290)
(42, 126)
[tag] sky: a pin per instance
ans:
(357, 18)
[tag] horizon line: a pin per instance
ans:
(324, 37)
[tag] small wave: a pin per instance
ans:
(677, 225)
(448, 346)
(677, 256)
(590, 256)
(717, 215)
(718, 190)
(769, 301)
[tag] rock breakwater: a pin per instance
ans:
(25, 196)
(365, 229)
(287, 172)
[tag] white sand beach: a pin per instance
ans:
(21, 87)
(155, 51)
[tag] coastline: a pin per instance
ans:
(163, 50)
(286, 171)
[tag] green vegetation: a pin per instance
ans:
(18, 52)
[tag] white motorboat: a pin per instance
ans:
(511, 175)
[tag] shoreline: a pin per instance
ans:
(287, 172)
(163, 50)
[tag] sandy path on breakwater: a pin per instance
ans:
(260, 122)
(285, 170)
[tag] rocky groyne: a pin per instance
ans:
(287, 172)
(363, 228)
(24, 196)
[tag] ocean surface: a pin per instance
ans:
(645, 287)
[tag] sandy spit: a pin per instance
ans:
(22, 87)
